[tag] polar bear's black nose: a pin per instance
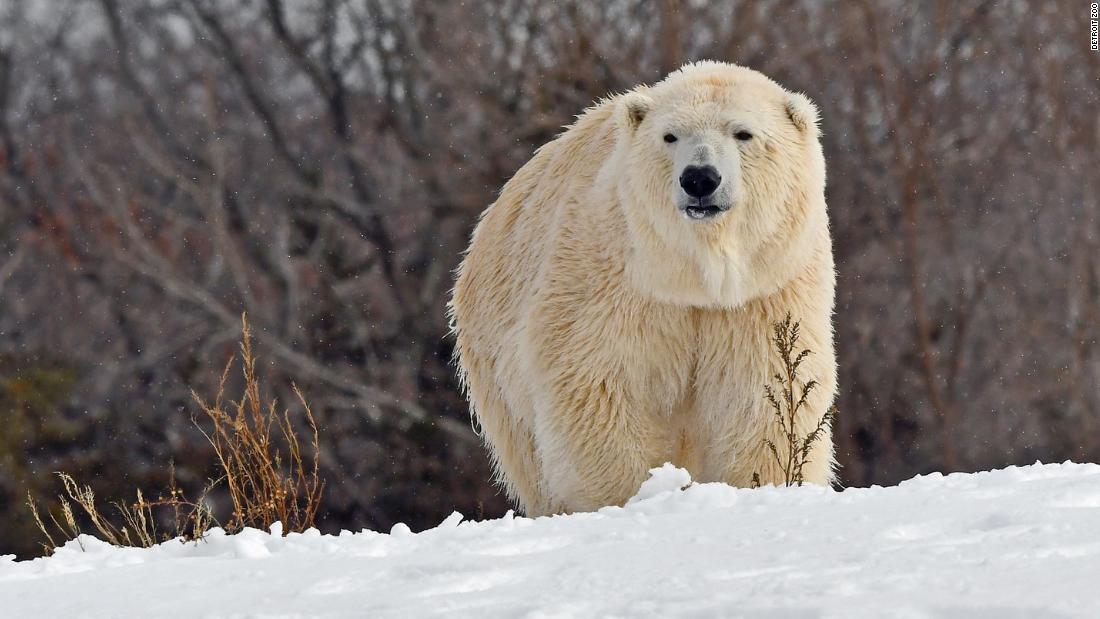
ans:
(700, 181)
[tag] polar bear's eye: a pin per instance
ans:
(670, 138)
(744, 136)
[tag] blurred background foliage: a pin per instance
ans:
(168, 164)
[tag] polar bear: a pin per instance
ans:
(613, 311)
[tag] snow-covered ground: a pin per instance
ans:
(1019, 542)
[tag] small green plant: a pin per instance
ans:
(786, 397)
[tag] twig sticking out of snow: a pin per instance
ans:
(787, 402)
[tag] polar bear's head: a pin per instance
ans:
(719, 164)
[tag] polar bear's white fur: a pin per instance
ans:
(604, 328)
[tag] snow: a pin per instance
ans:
(1022, 541)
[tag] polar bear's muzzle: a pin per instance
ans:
(704, 211)
(700, 184)
(700, 181)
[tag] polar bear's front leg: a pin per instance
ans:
(591, 443)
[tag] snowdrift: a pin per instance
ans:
(1023, 541)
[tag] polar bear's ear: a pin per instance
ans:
(802, 112)
(635, 106)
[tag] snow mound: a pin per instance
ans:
(663, 480)
(1015, 542)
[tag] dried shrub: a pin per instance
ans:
(261, 463)
(260, 454)
(786, 398)
(134, 524)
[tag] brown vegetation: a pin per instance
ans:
(134, 524)
(794, 454)
(260, 457)
(260, 465)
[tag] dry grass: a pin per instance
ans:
(260, 455)
(134, 524)
(261, 463)
(787, 401)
